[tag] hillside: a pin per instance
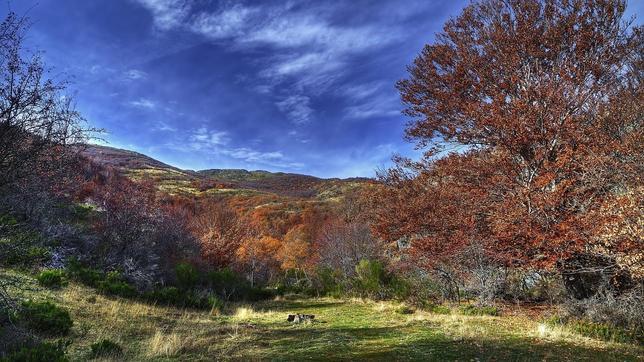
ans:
(220, 181)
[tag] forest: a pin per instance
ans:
(517, 235)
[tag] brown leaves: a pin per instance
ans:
(547, 97)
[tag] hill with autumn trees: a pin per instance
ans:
(538, 213)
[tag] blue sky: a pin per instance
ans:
(298, 86)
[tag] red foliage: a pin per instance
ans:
(543, 101)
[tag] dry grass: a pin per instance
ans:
(343, 329)
(166, 345)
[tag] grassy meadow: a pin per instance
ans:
(344, 329)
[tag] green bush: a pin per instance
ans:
(23, 249)
(329, 282)
(175, 297)
(474, 310)
(370, 278)
(51, 278)
(253, 294)
(42, 352)
(223, 279)
(115, 284)
(399, 288)
(7, 220)
(187, 275)
(439, 309)
(45, 317)
(105, 348)
(231, 286)
(87, 276)
(167, 295)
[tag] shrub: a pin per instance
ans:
(45, 317)
(42, 352)
(187, 275)
(167, 295)
(87, 276)
(328, 282)
(399, 288)
(231, 286)
(178, 298)
(370, 276)
(115, 284)
(474, 310)
(439, 309)
(7, 220)
(625, 311)
(105, 348)
(111, 283)
(51, 278)
(23, 249)
(295, 281)
(534, 286)
(224, 280)
(252, 294)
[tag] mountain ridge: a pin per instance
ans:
(139, 166)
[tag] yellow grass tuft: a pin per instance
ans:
(247, 312)
(166, 345)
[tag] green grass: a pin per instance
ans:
(343, 330)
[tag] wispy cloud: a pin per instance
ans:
(369, 100)
(164, 127)
(204, 138)
(143, 103)
(225, 23)
(135, 74)
(297, 109)
(309, 53)
(167, 14)
(216, 143)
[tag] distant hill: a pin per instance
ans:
(219, 181)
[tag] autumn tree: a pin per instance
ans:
(259, 256)
(139, 235)
(540, 104)
(220, 231)
(345, 238)
(296, 249)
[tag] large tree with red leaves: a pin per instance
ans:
(543, 101)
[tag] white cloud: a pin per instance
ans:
(309, 52)
(135, 74)
(204, 138)
(297, 109)
(143, 103)
(361, 91)
(164, 127)
(167, 14)
(215, 143)
(368, 100)
(225, 23)
(250, 155)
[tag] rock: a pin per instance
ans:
(300, 318)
